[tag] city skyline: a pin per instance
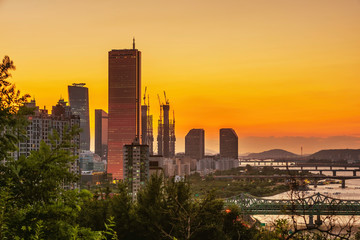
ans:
(272, 71)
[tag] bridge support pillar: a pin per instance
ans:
(301, 168)
(343, 183)
(334, 173)
(320, 172)
(315, 183)
(311, 222)
(354, 173)
(318, 221)
(315, 167)
(330, 167)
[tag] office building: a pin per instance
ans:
(228, 143)
(136, 166)
(124, 105)
(92, 162)
(195, 143)
(101, 133)
(79, 104)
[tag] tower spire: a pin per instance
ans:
(133, 42)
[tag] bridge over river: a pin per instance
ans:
(312, 177)
(314, 205)
(317, 204)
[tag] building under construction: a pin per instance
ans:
(166, 130)
(147, 137)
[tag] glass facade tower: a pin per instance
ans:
(101, 133)
(228, 143)
(124, 105)
(195, 143)
(79, 104)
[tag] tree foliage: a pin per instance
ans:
(11, 114)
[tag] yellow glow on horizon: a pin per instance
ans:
(264, 68)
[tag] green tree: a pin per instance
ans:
(166, 210)
(11, 102)
(150, 210)
(236, 227)
(123, 211)
(34, 202)
(35, 186)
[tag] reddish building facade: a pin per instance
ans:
(101, 133)
(195, 144)
(228, 143)
(124, 105)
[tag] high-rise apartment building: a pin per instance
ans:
(124, 105)
(42, 125)
(195, 143)
(136, 166)
(101, 133)
(79, 104)
(228, 143)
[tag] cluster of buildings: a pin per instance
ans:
(124, 141)
(194, 158)
(228, 157)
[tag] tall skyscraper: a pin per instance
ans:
(124, 105)
(101, 133)
(79, 104)
(228, 143)
(195, 143)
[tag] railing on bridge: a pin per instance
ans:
(317, 204)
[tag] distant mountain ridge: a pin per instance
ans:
(273, 154)
(337, 155)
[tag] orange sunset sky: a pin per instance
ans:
(283, 74)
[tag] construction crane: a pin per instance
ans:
(166, 100)
(148, 108)
(160, 100)
(148, 103)
(145, 96)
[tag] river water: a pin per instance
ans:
(351, 192)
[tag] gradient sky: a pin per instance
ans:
(271, 69)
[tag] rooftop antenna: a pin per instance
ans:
(133, 42)
(145, 96)
(148, 104)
